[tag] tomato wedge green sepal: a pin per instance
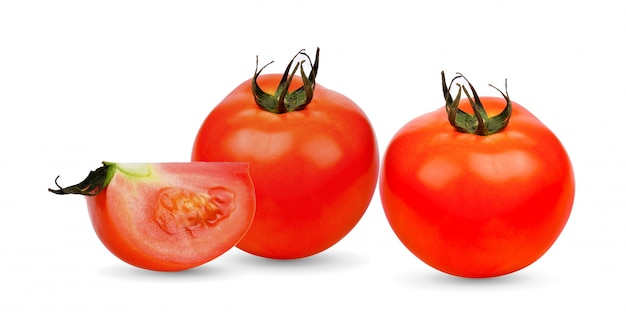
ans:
(169, 216)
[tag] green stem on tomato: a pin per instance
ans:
(283, 101)
(478, 123)
(95, 182)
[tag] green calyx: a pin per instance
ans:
(283, 101)
(478, 123)
(95, 182)
(99, 179)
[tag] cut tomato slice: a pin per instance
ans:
(168, 216)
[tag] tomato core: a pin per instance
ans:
(182, 210)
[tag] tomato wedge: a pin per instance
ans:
(168, 216)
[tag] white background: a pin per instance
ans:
(86, 81)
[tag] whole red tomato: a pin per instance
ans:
(313, 159)
(474, 190)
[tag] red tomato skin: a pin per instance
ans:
(314, 170)
(122, 217)
(477, 206)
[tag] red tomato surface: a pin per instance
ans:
(173, 216)
(477, 206)
(314, 170)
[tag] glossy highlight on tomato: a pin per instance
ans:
(475, 205)
(313, 159)
(168, 216)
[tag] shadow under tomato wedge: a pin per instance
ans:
(168, 216)
(478, 188)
